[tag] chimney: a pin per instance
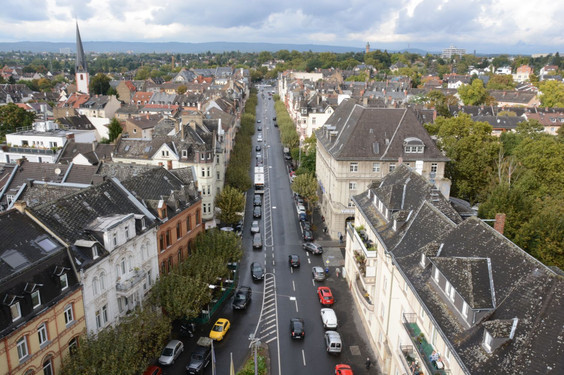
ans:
(20, 206)
(499, 224)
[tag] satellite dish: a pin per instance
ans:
(57, 171)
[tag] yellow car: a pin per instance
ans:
(219, 329)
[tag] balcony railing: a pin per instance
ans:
(363, 296)
(423, 349)
(124, 286)
(30, 150)
(361, 242)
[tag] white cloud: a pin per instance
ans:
(468, 23)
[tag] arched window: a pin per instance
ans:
(102, 281)
(95, 286)
(73, 345)
(48, 365)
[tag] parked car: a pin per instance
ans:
(297, 328)
(259, 138)
(301, 208)
(313, 248)
(238, 226)
(305, 225)
(257, 241)
(257, 272)
(171, 351)
(257, 212)
(325, 296)
(258, 121)
(342, 369)
(259, 128)
(219, 329)
(257, 201)
(318, 273)
(153, 370)
(258, 155)
(274, 119)
(333, 343)
(308, 235)
(200, 357)
(255, 227)
(258, 148)
(329, 318)
(302, 216)
(294, 260)
(241, 298)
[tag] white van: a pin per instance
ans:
(333, 342)
(329, 318)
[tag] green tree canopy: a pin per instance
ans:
(306, 186)
(501, 82)
(100, 84)
(114, 129)
(472, 150)
(231, 202)
(552, 94)
(474, 94)
(125, 349)
(13, 117)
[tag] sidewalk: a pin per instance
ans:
(355, 339)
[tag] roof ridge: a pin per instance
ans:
(395, 132)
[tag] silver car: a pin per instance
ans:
(255, 228)
(171, 351)
(318, 273)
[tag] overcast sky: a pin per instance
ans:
(524, 26)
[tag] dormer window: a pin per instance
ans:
(126, 232)
(422, 263)
(95, 253)
(487, 343)
(15, 311)
(413, 145)
(64, 281)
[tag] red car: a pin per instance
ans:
(153, 370)
(325, 296)
(342, 369)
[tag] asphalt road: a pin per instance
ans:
(294, 290)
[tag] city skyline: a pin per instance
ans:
(431, 25)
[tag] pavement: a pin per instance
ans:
(350, 327)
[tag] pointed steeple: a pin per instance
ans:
(80, 65)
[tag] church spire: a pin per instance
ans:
(80, 68)
(80, 65)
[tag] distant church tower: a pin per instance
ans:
(367, 47)
(80, 68)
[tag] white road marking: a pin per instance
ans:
(293, 286)
(313, 282)
(296, 301)
(309, 260)
(292, 270)
(303, 356)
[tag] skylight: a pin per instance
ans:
(47, 244)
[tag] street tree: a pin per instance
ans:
(472, 150)
(473, 94)
(114, 129)
(552, 94)
(13, 117)
(231, 202)
(124, 349)
(306, 186)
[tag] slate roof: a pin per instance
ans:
(487, 269)
(522, 97)
(368, 133)
(94, 152)
(500, 122)
(70, 216)
(79, 122)
(26, 260)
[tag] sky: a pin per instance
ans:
(487, 26)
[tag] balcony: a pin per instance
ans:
(360, 241)
(123, 287)
(417, 357)
(362, 294)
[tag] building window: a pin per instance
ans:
(449, 290)
(47, 366)
(164, 153)
(169, 264)
(353, 167)
(115, 239)
(179, 255)
(421, 312)
(178, 230)
(42, 334)
(188, 224)
(465, 310)
(202, 156)
(64, 281)
(15, 311)
(95, 288)
(95, 252)
(376, 167)
(391, 168)
(436, 275)
(127, 232)
(163, 267)
(168, 238)
(22, 348)
(161, 242)
(102, 281)
(69, 316)
(208, 170)
(36, 299)
(352, 185)
(102, 317)
(434, 167)
(184, 153)
(203, 172)
(197, 217)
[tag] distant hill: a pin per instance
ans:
(170, 47)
